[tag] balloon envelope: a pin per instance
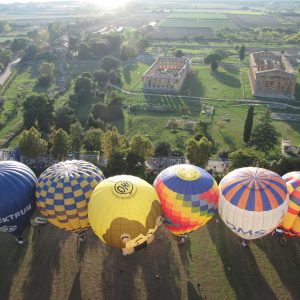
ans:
(63, 192)
(124, 211)
(188, 195)
(17, 186)
(291, 221)
(252, 201)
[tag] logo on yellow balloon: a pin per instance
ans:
(124, 189)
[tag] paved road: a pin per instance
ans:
(8, 70)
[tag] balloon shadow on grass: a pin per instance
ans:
(11, 258)
(240, 266)
(46, 245)
(286, 261)
(146, 274)
(75, 292)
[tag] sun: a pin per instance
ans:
(111, 4)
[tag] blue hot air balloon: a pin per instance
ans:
(17, 187)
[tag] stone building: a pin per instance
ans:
(166, 74)
(271, 76)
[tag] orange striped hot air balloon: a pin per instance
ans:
(291, 221)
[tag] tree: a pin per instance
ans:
(4, 27)
(116, 164)
(30, 53)
(162, 148)
(109, 63)
(198, 153)
(84, 52)
(92, 139)
(99, 49)
(31, 144)
(18, 44)
(143, 44)
(248, 124)
(214, 65)
(76, 135)
(124, 54)
(264, 136)
(246, 158)
(73, 44)
(113, 142)
(84, 86)
(38, 111)
(213, 57)
(101, 77)
(46, 73)
(242, 52)
(179, 53)
(135, 164)
(141, 146)
(64, 117)
(60, 144)
(55, 30)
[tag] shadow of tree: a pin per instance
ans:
(127, 72)
(290, 253)
(46, 246)
(227, 139)
(239, 263)
(192, 292)
(231, 68)
(193, 86)
(226, 79)
(11, 258)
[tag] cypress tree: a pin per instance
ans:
(248, 124)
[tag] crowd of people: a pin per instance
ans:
(40, 163)
(160, 163)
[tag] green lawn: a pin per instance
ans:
(131, 76)
(223, 83)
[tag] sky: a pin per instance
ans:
(100, 3)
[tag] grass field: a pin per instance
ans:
(223, 83)
(131, 76)
(211, 265)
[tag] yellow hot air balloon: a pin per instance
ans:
(291, 221)
(63, 192)
(124, 212)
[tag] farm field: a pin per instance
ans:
(211, 265)
(246, 21)
(197, 23)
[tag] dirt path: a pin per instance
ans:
(8, 70)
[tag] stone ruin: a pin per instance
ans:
(166, 74)
(271, 76)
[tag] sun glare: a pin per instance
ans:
(111, 4)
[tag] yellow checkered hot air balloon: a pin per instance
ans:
(124, 212)
(63, 192)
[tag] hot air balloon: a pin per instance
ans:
(252, 201)
(63, 192)
(124, 212)
(291, 221)
(188, 196)
(17, 186)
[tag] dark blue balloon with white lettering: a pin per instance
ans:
(17, 189)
